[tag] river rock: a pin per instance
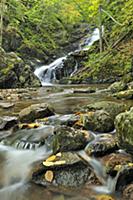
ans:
(7, 122)
(124, 177)
(126, 94)
(113, 108)
(35, 111)
(67, 138)
(112, 162)
(88, 90)
(99, 121)
(124, 130)
(130, 85)
(6, 105)
(63, 169)
(102, 145)
(117, 86)
(127, 192)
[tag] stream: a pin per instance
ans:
(16, 165)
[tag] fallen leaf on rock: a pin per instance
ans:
(51, 158)
(48, 164)
(104, 197)
(49, 176)
(33, 125)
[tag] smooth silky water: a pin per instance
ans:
(16, 165)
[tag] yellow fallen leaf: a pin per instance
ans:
(51, 158)
(104, 197)
(118, 167)
(130, 164)
(48, 164)
(49, 176)
(33, 125)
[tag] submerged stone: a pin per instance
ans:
(68, 120)
(35, 111)
(30, 138)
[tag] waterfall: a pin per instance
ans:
(47, 73)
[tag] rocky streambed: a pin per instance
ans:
(66, 142)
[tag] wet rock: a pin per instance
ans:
(99, 121)
(127, 193)
(130, 85)
(124, 130)
(89, 90)
(6, 105)
(102, 145)
(71, 173)
(115, 159)
(7, 122)
(124, 177)
(68, 120)
(67, 138)
(30, 138)
(35, 111)
(113, 108)
(117, 86)
(127, 94)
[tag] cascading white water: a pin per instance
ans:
(108, 183)
(90, 40)
(46, 73)
(17, 166)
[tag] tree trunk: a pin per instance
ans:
(100, 29)
(2, 6)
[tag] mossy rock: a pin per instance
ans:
(113, 108)
(99, 121)
(70, 172)
(126, 94)
(102, 145)
(35, 111)
(117, 87)
(124, 130)
(67, 138)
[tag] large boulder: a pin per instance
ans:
(35, 111)
(70, 139)
(99, 121)
(113, 108)
(124, 130)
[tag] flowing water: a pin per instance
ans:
(47, 73)
(16, 165)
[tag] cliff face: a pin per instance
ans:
(14, 72)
